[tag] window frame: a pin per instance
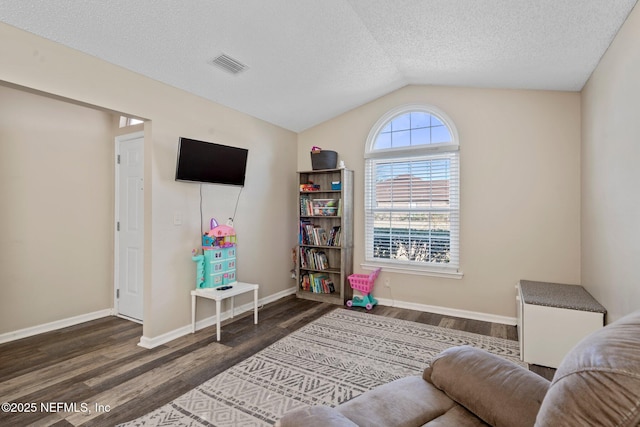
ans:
(410, 153)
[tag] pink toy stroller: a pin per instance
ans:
(364, 284)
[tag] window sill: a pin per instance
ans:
(410, 269)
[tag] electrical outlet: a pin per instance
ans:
(387, 283)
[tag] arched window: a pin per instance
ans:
(412, 187)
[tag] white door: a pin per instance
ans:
(129, 225)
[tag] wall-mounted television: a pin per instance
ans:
(200, 161)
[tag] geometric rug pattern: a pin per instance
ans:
(326, 362)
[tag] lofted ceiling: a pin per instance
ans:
(310, 60)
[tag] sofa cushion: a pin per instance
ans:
(457, 416)
(315, 416)
(406, 402)
(495, 389)
(598, 381)
(409, 401)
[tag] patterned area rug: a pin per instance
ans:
(326, 362)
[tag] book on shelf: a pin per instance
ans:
(334, 236)
(313, 259)
(317, 235)
(306, 206)
(321, 236)
(317, 283)
(313, 234)
(302, 236)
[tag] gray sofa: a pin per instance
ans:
(597, 384)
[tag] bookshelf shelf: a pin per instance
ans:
(325, 249)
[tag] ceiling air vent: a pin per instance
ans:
(228, 64)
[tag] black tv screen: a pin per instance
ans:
(200, 161)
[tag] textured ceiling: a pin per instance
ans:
(310, 60)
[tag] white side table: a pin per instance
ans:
(217, 295)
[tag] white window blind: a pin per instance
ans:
(412, 209)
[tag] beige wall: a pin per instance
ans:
(56, 225)
(263, 222)
(520, 191)
(611, 174)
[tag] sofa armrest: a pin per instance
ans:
(496, 390)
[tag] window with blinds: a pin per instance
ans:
(412, 210)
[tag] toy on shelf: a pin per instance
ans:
(364, 284)
(198, 258)
(309, 187)
(222, 236)
(216, 266)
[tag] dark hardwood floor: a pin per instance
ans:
(98, 366)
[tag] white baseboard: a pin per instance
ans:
(449, 311)
(210, 321)
(164, 338)
(52, 326)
